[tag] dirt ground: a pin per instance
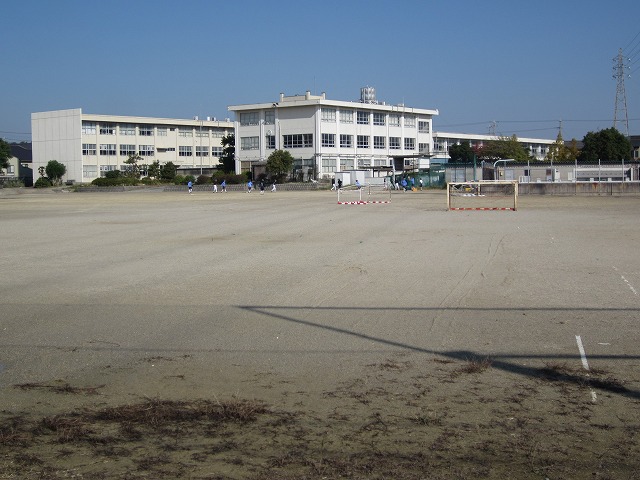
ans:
(162, 335)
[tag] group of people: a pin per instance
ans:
(223, 186)
(410, 185)
(261, 186)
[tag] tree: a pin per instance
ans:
(168, 171)
(608, 144)
(502, 148)
(461, 152)
(228, 157)
(5, 154)
(132, 169)
(154, 169)
(279, 163)
(55, 170)
(559, 152)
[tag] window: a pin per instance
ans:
(394, 143)
(394, 120)
(185, 151)
(328, 165)
(107, 149)
(423, 147)
(298, 141)
(379, 142)
(107, 129)
(126, 150)
(346, 116)
(127, 129)
(202, 151)
(346, 141)
(346, 163)
(328, 139)
(89, 171)
(409, 143)
(423, 127)
(271, 142)
(216, 151)
(185, 132)
(328, 114)
(88, 128)
(145, 130)
(249, 118)
(378, 118)
(249, 143)
(145, 150)
(203, 133)
(88, 148)
(363, 141)
(363, 117)
(162, 131)
(217, 133)
(269, 117)
(410, 121)
(107, 168)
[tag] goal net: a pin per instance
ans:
(482, 195)
(352, 195)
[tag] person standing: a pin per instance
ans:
(261, 187)
(421, 183)
(215, 188)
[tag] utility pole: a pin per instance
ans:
(620, 110)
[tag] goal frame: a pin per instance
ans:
(365, 195)
(476, 186)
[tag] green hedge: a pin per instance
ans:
(111, 182)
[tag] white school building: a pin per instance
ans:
(90, 145)
(328, 136)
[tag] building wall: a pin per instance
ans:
(56, 135)
(317, 116)
(90, 145)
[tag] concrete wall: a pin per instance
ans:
(579, 188)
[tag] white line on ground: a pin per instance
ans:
(635, 292)
(585, 364)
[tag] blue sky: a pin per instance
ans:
(524, 65)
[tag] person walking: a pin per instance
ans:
(249, 186)
(215, 188)
(190, 186)
(273, 186)
(421, 183)
(223, 185)
(261, 187)
(333, 184)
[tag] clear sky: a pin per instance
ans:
(524, 64)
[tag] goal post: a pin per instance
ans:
(483, 195)
(364, 195)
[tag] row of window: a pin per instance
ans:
(147, 150)
(253, 118)
(305, 140)
(125, 129)
(363, 117)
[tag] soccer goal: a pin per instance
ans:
(352, 195)
(482, 195)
